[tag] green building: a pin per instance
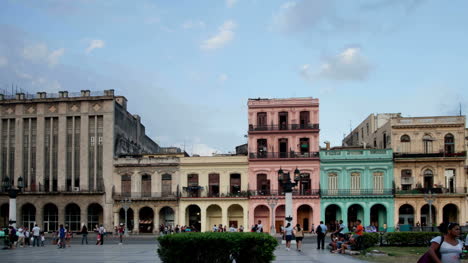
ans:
(357, 184)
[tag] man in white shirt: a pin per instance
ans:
(259, 226)
(232, 229)
(102, 231)
(215, 228)
(36, 235)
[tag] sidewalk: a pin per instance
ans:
(310, 253)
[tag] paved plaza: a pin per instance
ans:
(143, 249)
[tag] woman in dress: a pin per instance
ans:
(299, 233)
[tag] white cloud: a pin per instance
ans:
(231, 3)
(350, 64)
(203, 149)
(95, 43)
(40, 53)
(193, 24)
(223, 77)
(224, 36)
(3, 61)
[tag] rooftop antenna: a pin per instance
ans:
(460, 109)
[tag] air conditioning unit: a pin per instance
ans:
(76, 189)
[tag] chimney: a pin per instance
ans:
(20, 96)
(65, 94)
(327, 143)
(85, 93)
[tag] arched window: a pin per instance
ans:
(427, 143)
(405, 143)
(332, 183)
(449, 143)
(428, 179)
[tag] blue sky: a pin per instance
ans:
(188, 67)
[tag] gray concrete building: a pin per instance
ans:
(64, 146)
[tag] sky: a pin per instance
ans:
(188, 67)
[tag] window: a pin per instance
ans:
(213, 181)
(166, 184)
(405, 143)
(283, 120)
(263, 184)
(355, 183)
(126, 185)
(146, 185)
(384, 140)
(261, 120)
(262, 148)
(332, 183)
(450, 180)
(367, 128)
(304, 146)
(235, 183)
(449, 143)
(428, 179)
(378, 182)
(305, 184)
(193, 187)
(427, 143)
(304, 119)
(406, 179)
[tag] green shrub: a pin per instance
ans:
(217, 247)
(409, 238)
(369, 240)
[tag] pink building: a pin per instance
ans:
(284, 133)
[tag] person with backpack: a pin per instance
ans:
(321, 231)
(299, 233)
(445, 248)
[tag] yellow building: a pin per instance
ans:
(213, 191)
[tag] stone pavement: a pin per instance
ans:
(144, 251)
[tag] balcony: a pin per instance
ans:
(355, 192)
(337, 155)
(296, 192)
(455, 155)
(39, 189)
(205, 192)
(283, 127)
(437, 190)
(145, 196)
(283, 155)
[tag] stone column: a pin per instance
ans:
(366, 219)
(136, 220)
(84, 217)
(40, 152)
(156, 219)
(181, 220)
(62, 152)
(246, 218)
(84, 150)
(40, 216)
(417, 214)
(203, 219)
(344, 215)
(61, 215)
(224, 217)
(439, 213)
(117, 219)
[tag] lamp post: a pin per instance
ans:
(272, 201)
(429, 197)
(285, 180)
(12, 194)
(126, 205)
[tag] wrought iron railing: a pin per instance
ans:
(283, 127)
(428, 155)
(355, 192)
(296, 192)
(274, 155)
(434, 190)
(150, 195)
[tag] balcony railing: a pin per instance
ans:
(213, 194)
(296, 192)
(284, 127)
(45, 189)
(438, 190)
(285, 155)
(355, 192)
(145, 195)
(429, 155)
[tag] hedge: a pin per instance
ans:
(410, 238)
(369, 240)
(217, 247)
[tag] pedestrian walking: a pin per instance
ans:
(312, 231)
(20, 234)
(288, 234)
(36, 234)
(68, 236)
(84, 234)
(299, 233)
(42, 238)
(321, 232)
(27, 237)
(259, 226)
(102, 232)
(448, 246)
(61, 235)
(121, 231)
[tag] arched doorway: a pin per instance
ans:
(425, 215)
(213, 216)
(332, 213)
(95, 215)
(4, 215)
(406, 215)
(280, 214)
(130, 218)
(146, 216)
(166, 216)
(73, 217)
(378, 216)
(450, 213)
(193, 215)
(28, 215)
(355, 213)
(262, 213)
(50, 219)
(236, 216)
(304, 216)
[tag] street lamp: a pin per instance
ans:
(272, 201)
(126, 205)
(285, 180)
(429, 197)
(12, 194)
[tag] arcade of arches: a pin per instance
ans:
(145, 218)
(378, 214)
(411, 213)
(303, 215)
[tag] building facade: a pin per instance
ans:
(283, 134)
(357, 184)
(63, 146)
(213, 192)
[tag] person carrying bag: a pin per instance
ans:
(445, 248)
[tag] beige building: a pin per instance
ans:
(429, 156)
(63, 146)
(213, 191)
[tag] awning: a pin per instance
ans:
(143, 222)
